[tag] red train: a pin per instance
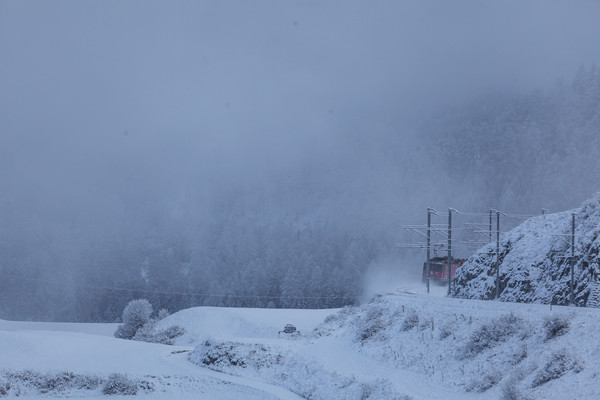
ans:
(439, 269)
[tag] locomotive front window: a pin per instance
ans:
(437, 267)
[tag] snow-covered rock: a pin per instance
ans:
(535, 263)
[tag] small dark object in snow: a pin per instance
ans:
(289, 329)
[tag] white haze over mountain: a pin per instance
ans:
(132, 126)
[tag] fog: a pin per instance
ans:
(161, 123)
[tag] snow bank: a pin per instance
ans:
(534, 261)
(491, 348)
(104, 329)
(238, 323)
(418, 347)
(49, 360)
(287, 366)
(399, 346)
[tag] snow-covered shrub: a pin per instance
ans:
(426, 323)
(168, 335)
(446, 331)
(57, 382)
(371, 324)
(223, 355)
(280, 366)
(53, 382)
(559, 363)
(334, 321)
(555, 325)
(162, 314)
(135, 315)
(510, 391)
(410, 321)
(146, 332)
(149, 333)
(4, 388)
(491, 334)
(120, 333)
(484, 382)
(17, 382)
(137, 324)
(519, 354)
(379, 389)
(120, 384)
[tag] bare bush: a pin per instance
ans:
(149, 333)
(120, 384)
(446, 331)
(555, 325)
(410, 321)
(490, 334)
(371, 325)
(484, 382)
(559, 363)
(510, 391)
(47, 383)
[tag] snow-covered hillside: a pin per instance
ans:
(402, 345)
(408, 346)
(68, 360)
(534, 260)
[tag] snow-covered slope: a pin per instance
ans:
(402, 345)
(240, 323)
(40, 360)
(534, 260)
(408, 346)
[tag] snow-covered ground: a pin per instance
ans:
(56, 359)
(403, 345)
(410, 345)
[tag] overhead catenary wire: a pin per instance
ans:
(519, 215)
(471, 213)
(443, 231)
(486, 214)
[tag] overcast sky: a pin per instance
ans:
(186, 85)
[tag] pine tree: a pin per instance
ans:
(594, 300)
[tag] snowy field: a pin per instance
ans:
(40, 360)
(403, 345)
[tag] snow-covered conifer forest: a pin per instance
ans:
(303, 239)
(132, 194)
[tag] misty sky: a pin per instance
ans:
(109, 95)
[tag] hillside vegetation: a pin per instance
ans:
(407, 346)
(535, 263)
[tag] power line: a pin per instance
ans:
(519, 215)
(471, 213)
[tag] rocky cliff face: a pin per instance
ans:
(535, 264)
